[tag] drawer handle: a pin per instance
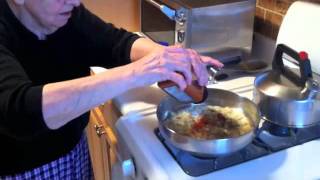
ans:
(99, 129)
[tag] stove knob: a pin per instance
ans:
(128, 168)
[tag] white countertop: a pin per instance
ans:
(139, 106)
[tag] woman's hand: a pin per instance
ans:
(171, 63)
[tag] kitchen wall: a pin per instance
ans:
(269, 15)
(122, 13)
(125, 13)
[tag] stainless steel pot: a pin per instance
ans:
(286, 98)
(208, 148)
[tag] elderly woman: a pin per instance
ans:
(46, 49)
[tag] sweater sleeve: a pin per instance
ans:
(20, 101)
(109, 46)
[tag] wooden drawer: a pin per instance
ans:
(102, 140)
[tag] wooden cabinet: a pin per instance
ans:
(102, 140)
(122, 13)
(100, 130)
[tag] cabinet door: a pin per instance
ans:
(122, 13)
(97, 147)
(102, 143)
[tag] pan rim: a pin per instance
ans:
(254, 124)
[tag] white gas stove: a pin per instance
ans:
(152, 159)
(145, 156)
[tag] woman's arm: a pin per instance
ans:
(143, 46)
(64, 101)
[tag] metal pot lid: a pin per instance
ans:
(274, 84)
(283, 82)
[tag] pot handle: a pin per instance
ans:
(301, 58)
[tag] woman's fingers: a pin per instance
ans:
(210, 61)
(179, 64)
(192, 53)
(198, 67)
(176, 64)
(175, 77)
(178, 79)
(196, 63)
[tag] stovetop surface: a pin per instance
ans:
(268, 141)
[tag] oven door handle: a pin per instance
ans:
(164, 9)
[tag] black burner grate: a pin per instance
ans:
(266, 143)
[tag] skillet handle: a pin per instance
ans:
(302, 60)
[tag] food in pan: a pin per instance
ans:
(215, 122)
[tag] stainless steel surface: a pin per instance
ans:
(221, 29)
(251, 66)
(247, 67)
(242, 68)
(285, 104)
(312, 90)
(208, 148)
(212, 71)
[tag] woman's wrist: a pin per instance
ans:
(129, 76)
(142, 47)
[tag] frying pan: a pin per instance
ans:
(211, 147)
